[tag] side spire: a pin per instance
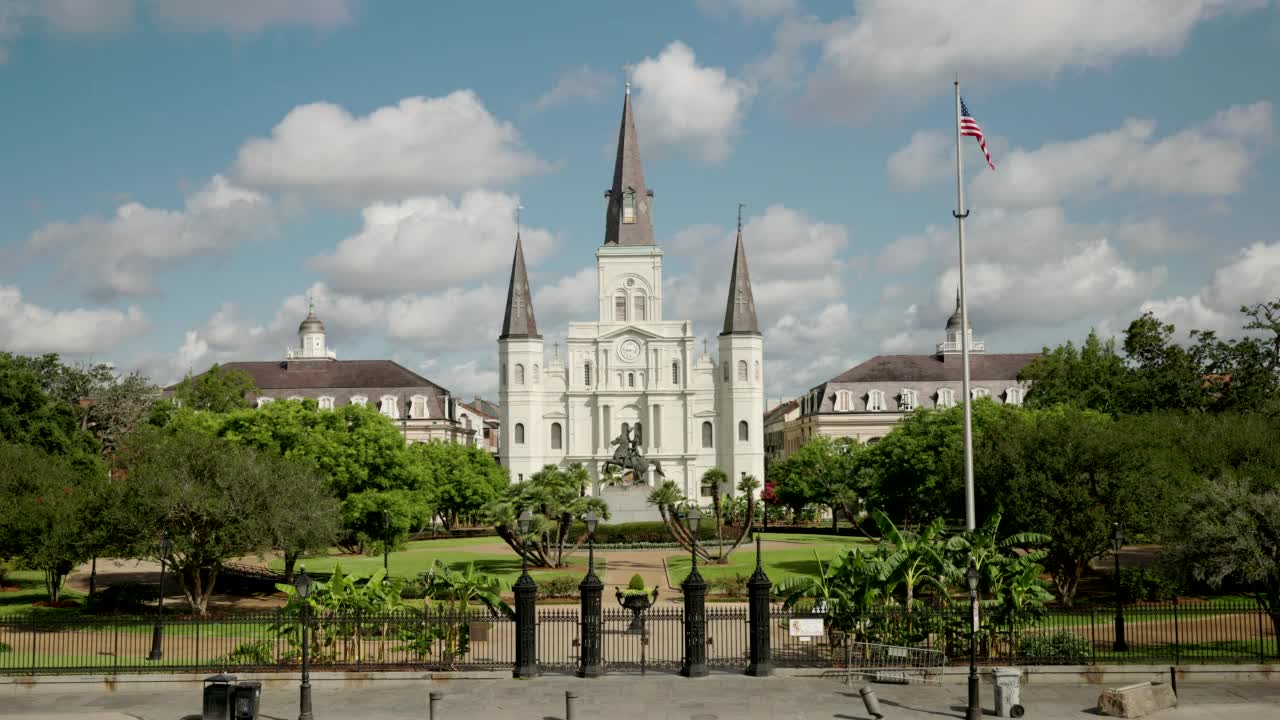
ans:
(740, 308)
(628, 216)
(519, 321)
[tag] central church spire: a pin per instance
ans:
(628, 216)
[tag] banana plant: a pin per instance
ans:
(913, 560)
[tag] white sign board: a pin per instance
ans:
(806, 627)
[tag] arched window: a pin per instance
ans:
(359, 400)
(757, 371)
(586, 373)
(742, 431)
(263, 401)
(844, 401)
(875, 401)
(706, 434)
(675, 373)
(519, 374)
(725, 367)
(1013, 396)
(638, 308)
(325, 403)
(418, 408)
(907, 399)
(631, 380)
(535, 374)
(388, 406)
(742, 371)
(629, 206)
(946, 397)
(557, 436)
(620, 307)
(519, 433)
(980, 392)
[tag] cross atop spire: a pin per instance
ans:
(519, 321)
(311, 303)
(629, 203)
(740, 308)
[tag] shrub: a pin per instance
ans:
(250, 653)
(735, 586)
(4, 570)
(636, 582)
(558, 586)
(124, 597)
(1062, 648)
(5, 648)
(1149, 584)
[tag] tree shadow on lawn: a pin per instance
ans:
(797, 567)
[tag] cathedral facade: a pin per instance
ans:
(630, 366)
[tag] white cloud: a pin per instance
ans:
(901, 51)
(120, 255)
(580, 83)
(249, 16)
(683, 105)
(1246, 279)
(748, 9)
(31, 329)
(1212, 159)
(466, 379)
(419, 146)
(428, 243)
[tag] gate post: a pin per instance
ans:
(526, 591)
(758, 596)
(695, 608)
(590, 664)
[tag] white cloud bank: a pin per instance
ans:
(31, 329)
(686, 106)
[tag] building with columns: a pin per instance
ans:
(867, 400)
(631, 365)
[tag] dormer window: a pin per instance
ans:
(1013, 395)
(907, 399)
(418, 407)
(359, 400)
(325, 402)
(844, 401)
(629, 206)
(875, 401)
(388, 406)
(263, 401)
(980, 392)
(946, 397)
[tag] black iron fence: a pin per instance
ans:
(1207, 632)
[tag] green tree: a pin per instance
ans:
(30, 416)
(463, 478)
(217, 390)
(1094, 376)
(217, 500)
(50, 505)
(555, 499)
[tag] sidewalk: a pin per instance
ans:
(719, 696)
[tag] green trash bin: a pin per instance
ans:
(219, 697)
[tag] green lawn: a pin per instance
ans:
(808, 539)
(419, 557)
(778, 564)
(30, 585)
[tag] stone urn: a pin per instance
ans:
(637, 602)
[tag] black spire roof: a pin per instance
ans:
(519, 321)
(628, 217)
(740, 308)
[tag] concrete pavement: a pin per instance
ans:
(667, 697)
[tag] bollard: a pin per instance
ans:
(433, 698)
(570, 699)
(871, 702)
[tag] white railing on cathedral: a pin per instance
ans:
(950, 347)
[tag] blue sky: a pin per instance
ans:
(179, 174)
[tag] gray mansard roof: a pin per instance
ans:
(923, 374)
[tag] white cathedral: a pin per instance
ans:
(632, 365)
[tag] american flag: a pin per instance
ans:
(969, 126)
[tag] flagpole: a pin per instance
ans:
(960, 214)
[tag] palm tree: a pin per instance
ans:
(716, 478)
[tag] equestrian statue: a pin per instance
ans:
(628, 456)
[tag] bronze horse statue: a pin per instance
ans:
(629, 457)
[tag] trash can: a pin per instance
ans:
(219, 691)
(247, 695)
(1007, 684)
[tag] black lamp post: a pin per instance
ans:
(303, 584)
(1117, 542)
(157, 633)
(695, 609)
(974, 711)
(591, 589)
(526, 591)
(386, 541)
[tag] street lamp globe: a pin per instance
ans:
(303, 583)
(525, 520)
(166, 545)
(693, 519)
(1117, 537)
(972, 577)
(591, 520)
